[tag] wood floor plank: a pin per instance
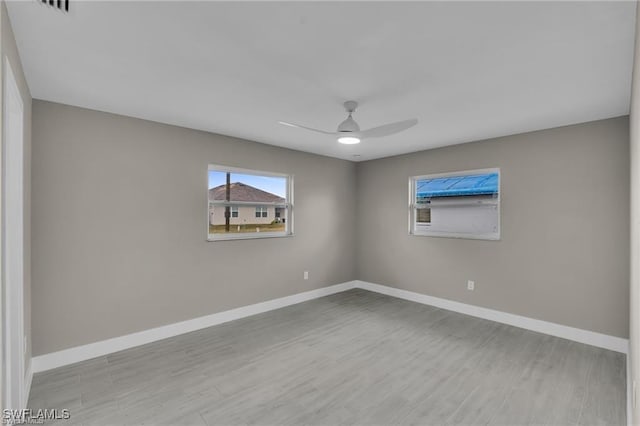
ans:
(350, 358)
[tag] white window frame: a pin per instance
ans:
(264, 212)
(234, 210)
(287, 205)
(414, 205)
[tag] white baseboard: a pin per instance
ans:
(28, 379)
(104, 347)
(93, 350)
(592, 338)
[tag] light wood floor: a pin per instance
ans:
(350, 358)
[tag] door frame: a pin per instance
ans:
(13, 241)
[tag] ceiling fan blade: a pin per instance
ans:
(305, 127)
(389, 129)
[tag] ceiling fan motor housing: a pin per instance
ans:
(349, 125)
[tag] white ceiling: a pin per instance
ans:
(466, 70)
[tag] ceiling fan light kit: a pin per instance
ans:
(349, 132)
(348, 140)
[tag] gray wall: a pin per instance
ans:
(120, 213)
(564, 252)
(120, 226)
(10, 51)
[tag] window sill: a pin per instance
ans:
(248, 236)
(490, 237)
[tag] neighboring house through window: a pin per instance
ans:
(249, 204)
(461, 204)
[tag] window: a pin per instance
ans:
(423, 215)
(460, 204)
(249, 204)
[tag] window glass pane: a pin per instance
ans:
(259, 203)
(460, 204)
(249, 219)
(247, 188)
(455, 186)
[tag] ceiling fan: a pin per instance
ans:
(349, 132)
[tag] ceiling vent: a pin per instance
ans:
(58, 4)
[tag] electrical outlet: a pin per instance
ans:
(306, 275)
(471, 285)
